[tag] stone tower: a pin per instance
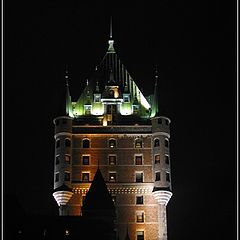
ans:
(114, 127)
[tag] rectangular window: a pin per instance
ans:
(57, 159)
(140, 235)
(112, 176)
(97, 99)
(56, 177)
(85, 177)
(140, 217)
(112, 160)
(138, 160)
(157, 176)
(139, 176)
(157, 159)
(166, 159)
(139, 199)
(167, 177)
(67, 176)
(138, 143)
(67, 159)
(87, 109)
(83, 199)
(126, 99)
(85, 160)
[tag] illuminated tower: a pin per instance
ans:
(114, 127)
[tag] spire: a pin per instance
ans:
(155, 109)
(111, 41)
(68, 96)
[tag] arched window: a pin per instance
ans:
(157, 159)
(138, 143)
(112, 143)
(58, 143)
(156, 142)
(67, 142)
(86, 143)
(166, 143)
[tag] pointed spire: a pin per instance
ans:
(111, 41)
(110, 28)
(155, 109)
(68, 96)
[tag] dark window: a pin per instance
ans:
(57, 159)
(126, 99)
(67, 176)
(112, 160)
(140, 216)
(166, 159)
(111, 109)
(135, 109)
(166, 122)
(83, 199)
(157, 159)
(85, 177)
(58, 143)
(167, 177)
(85, 160)
(140, 235)
(159, 121)
(97, 98)
(157, 176)
(112, 177)
(64, 121)
(138, 143)
(156, 142)
(67, 142)
(112, 143)
(86, 143)
(138, 160)
(139, 177)
(139, 199)
(166, 143)
(67, 159)
(56, 177)
(57, 122)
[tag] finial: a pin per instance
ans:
(156, 75)
(96, 68)
(110, 27)
(87, 82)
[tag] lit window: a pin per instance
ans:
(166, 143)
(140, 235)
(138, 143)
(138, 160)
(166, 159)
(86, 143)
(140, 217)
(67, 232)
(167, 176)
(87, 109)
(112, 160)
(139, 176)
(157, 176)
(112, 177)
(159, 121)
(57, 159)
(58, 143)
(67, 142)
(139, 199)
(157, 159)
(156, 142)
(85, 177)
(114, 199)
(135, 109)
(85, 160)
(67, 176)
(67, 159)
(56, 177)
(112, 143)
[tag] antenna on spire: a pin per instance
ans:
(110, 27)
(156, 74)
(66, 74)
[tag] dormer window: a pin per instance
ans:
(126, 99)
(138, 143)
(97, 99)
(87, 109)
(112, 143)
(135, 109)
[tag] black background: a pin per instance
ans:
(194, 45)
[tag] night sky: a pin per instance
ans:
(193, 44)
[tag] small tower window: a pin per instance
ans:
(167, 176)
(138, 143)
(157, 159)
(139, 177)
(56, 177)
(138, 160)
(139, 199)
(126, 98)
(67, 159)
(112, 176)
(166, 143)
(85, 177)
(57, 159)
(57, 122)
(58, 143)
(112, 159)
(156, 142)
(159, 121)
(86, 143)
(166, 159)
(140, 217)
(140, 235)
(87, 109)
(135, 109)
(85, 160)
(67, 176)
(67, 142)
(64, 121)
(112, 143)
(157, 176)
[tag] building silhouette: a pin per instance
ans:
(115, 133)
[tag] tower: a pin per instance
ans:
(113, 127)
